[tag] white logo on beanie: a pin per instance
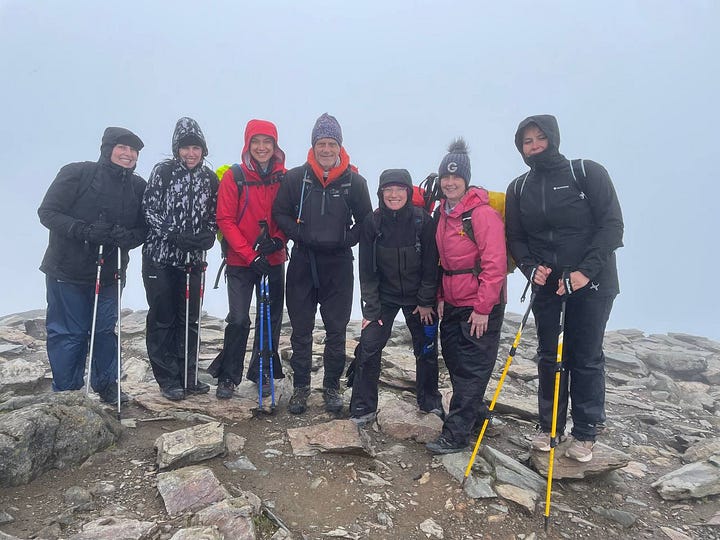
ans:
(452, 167)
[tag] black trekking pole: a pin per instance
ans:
(556, 396)
(203, 265)
(119, 324)
(100, 262)
(270, 342)
(188, 269)
(511, 356)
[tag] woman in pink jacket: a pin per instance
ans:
(471, 301)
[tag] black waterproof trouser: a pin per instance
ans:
(583, 360)
(165, 330)
(241, 282)
(325, 279)
(373, 339)
(470, 362)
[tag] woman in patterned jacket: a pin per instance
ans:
(179, 207)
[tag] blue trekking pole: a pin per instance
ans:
(261, 348)
(270, 341)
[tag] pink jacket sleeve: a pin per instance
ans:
(489, 232)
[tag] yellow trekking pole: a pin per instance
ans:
(556, 396)
(509, 360)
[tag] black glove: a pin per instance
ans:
(260, 265)
(205, 239)
(184, 242)
(124, 238)
(269, 245)
(98, 233)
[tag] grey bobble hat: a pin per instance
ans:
(326, 127)
(457, 161)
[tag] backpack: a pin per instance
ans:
(242, 185)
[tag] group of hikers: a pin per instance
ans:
(446, 272)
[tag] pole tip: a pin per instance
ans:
(545, 526)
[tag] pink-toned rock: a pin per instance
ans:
(189, 489)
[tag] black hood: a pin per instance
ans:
(549, 126)
(187, 132)
(118, 135)
(400, 177)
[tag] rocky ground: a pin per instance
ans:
(209, 469)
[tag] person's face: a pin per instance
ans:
(262, 148)
(394, 197)
(124, 155)
(453, 187)
(534, 141)
(326, 151)
(190, 155)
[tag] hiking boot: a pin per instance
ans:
(173, 393)
(109, 395)
(580, 450)
(333, 400)
(364, 419)
(541, 441)
(225, 389)
(445, 446)
(298, 401)
(199, 388)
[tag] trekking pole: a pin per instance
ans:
(556, 395)
(187, 313)
(270, 342)
(100, 262)
(511, 356)
(261, 348)
(203, 265)
(119, 324)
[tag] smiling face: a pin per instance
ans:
(534, 141)
(327, 152)
(190, 155)
(395, 197)
(453, 187)
(124, 155)
(262, 148)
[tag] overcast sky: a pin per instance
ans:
(634, 86)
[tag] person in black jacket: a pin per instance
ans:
(398, 271)
(564, 223)
(90, 205)
(179, 207)
(320, 206)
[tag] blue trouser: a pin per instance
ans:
(68, 322)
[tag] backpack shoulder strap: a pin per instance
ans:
(518, 190)
(418, 220)
(467, 225)
(238, 176)
(577, 169)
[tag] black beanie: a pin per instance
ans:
(191, 139)
(457, 161)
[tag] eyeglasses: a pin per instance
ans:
(394, 190)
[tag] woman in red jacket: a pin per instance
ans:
(254, 247)
(471, 300)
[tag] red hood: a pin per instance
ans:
(261, 127)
